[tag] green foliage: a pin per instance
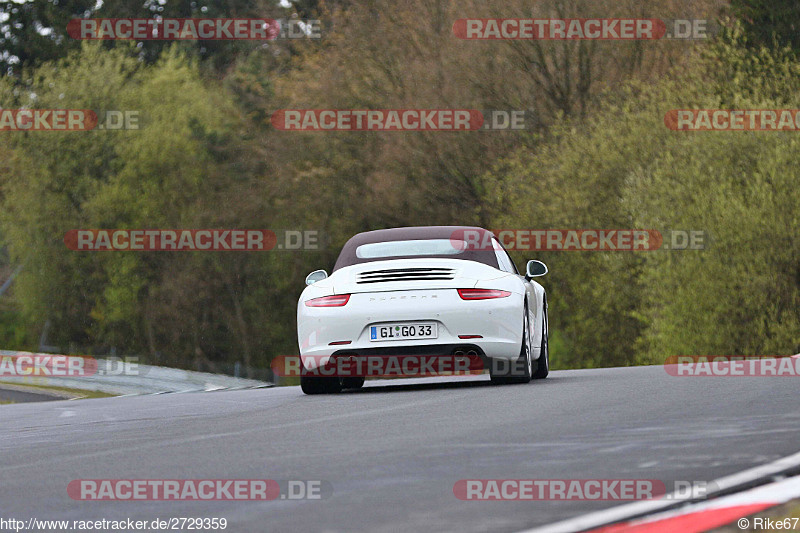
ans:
(35, 31)
(769, 22)
(624, 168)
(206, 157)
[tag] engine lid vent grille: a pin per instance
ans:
(405, 274)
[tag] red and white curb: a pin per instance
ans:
(708, 515)
(629, 517)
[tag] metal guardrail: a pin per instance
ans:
(116, 376)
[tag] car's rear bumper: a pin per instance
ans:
(494, 325)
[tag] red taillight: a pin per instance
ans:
(329, 301)
(470, 336)
(482, 294)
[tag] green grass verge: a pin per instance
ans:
(79, 393)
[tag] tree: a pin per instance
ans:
(769, 22)
(35, 31)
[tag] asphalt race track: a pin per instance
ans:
(392, 453)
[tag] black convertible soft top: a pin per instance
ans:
(348, 257)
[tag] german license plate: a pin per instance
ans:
(394, 332)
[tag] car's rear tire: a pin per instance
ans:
(543, 363)
(320, 385)
(520, 370)
(353, 383)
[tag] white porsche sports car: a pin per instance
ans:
(445, 291)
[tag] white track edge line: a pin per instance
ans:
(625, 511)
(775, 493)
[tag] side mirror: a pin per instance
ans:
(317, 275)
(535, 269)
